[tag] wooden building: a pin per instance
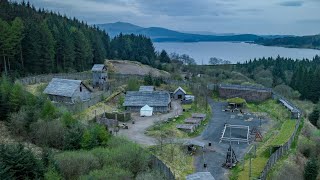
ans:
(179, 93)
(159, 100)
(249, 93)
(67, 91)
(99, 76)
(147, 88)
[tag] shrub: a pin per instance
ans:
(109, 172)
(314, 116)
(154, 175)
(127, 155)
(52, 174)
(49, 133)
(72, 165)
(16, 162)
(73, 137)
(95, 135)
(311, 169)
(49, 111)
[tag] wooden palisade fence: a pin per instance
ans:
(282, 150)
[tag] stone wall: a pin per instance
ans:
(249, 95)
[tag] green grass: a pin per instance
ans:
(275, 136)
(176, 158)
(285, 133)
(274, 110)
(170, 126)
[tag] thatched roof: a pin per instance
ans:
(153, 99)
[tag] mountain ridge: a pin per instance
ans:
(159, 34)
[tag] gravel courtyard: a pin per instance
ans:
(214, 159)
(136, 132)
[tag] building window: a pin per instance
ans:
(80, 89)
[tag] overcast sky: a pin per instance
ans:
(298, 17)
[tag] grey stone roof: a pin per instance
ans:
(146, 88)
(199, 115)
(192, 121)
(180, 88)
(63, 87)
(153, 99)
(186, 126)
(200, 176)
(98, 67)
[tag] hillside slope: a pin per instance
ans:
(133, 68)
(158, 34)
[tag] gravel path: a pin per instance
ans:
(213, 133)
(136, 132)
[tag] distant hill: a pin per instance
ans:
(158, 34)
(311, 42)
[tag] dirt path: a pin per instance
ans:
(136, 132)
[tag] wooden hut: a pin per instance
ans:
(159, 100)
(179, 93)
(189, 128)
(67, 91)
(99, 76)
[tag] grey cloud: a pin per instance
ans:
(292, 3)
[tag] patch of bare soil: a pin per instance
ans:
(134, 68)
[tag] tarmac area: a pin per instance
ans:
(215, 158)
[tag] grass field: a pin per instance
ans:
(276, 136)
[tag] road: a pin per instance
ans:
(136, 132)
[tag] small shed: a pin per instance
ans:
(200, 176)
(189, 128)
(199, 116)
(146, 111)
(147, 88)
(179, 93)
(99, 76)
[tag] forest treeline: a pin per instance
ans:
(36, 41)
(301, 75)
(312, 42)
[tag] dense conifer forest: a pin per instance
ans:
(35, 41)
(301, 75)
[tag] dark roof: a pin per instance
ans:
(200, 176)
(180, 88)
(241, 87)
(154, 98)
(98, 67)
(198, 115)
(63, 87)
(146, 88)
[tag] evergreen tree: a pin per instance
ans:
(16, 162)
(311, 169)
(164, 58)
